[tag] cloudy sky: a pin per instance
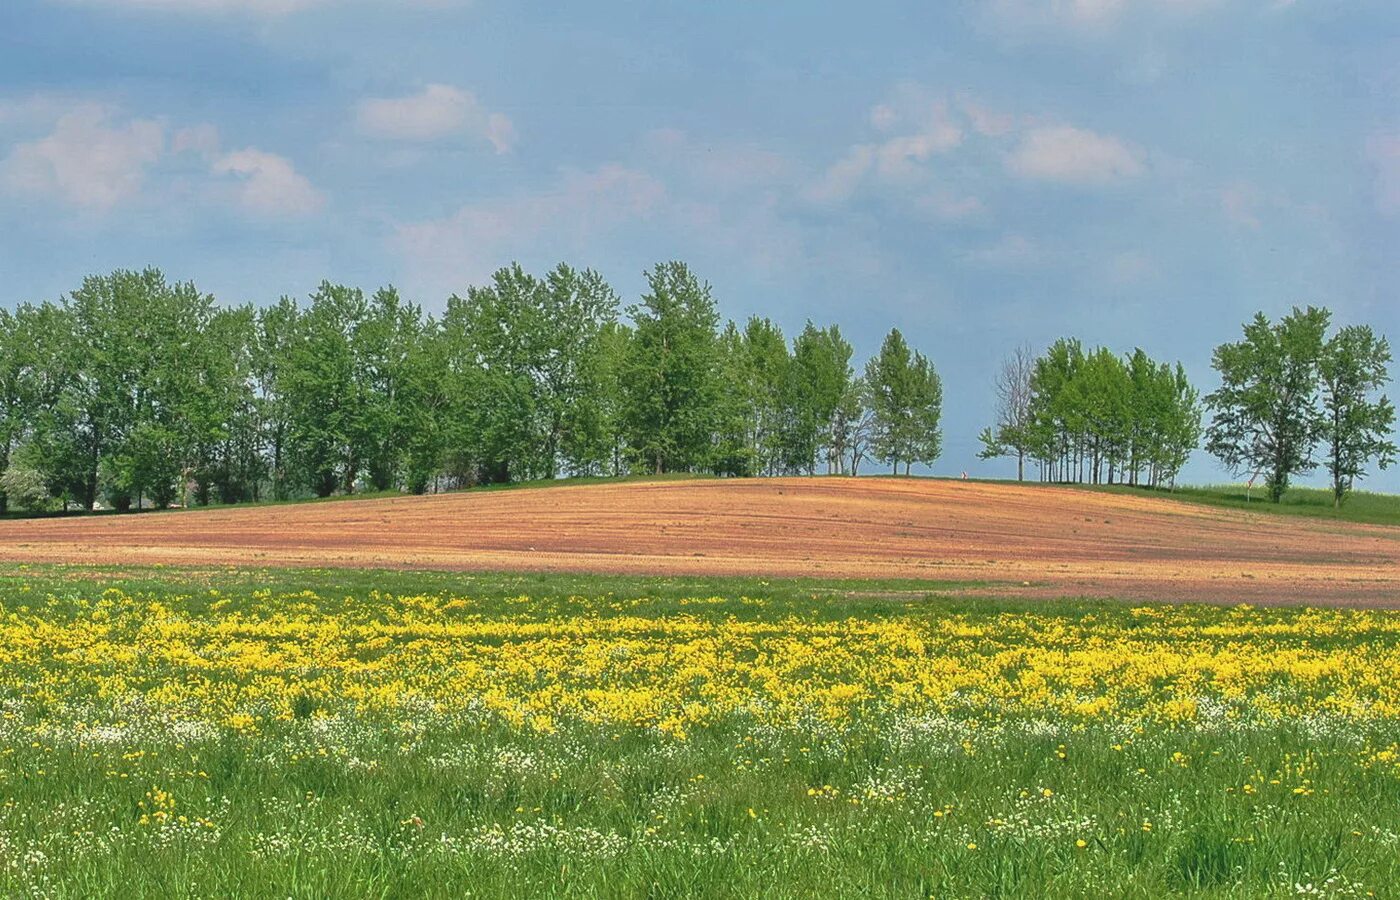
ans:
(980, 174)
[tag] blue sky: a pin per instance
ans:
(980, 174)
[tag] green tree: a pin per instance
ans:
(15, 411)
(119, 423)
(818, 381)
(927, 437)
(670, 382)
(277, 334)
(852, 425)
(324, 403)
(385, 346)
(906, 400)
(613, 349)
(579, 306)
(229, 434)
(735, 424)
(1266, 418)
(768, 393)
(1355, 365)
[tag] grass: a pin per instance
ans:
(273, 733)
(1361, 506)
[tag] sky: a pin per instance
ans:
(981, 175)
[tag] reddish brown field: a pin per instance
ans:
(1037, 541)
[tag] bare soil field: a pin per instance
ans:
(1001, 539)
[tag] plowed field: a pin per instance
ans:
(1000, 538)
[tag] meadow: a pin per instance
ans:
(324, 734)
(1370, 507)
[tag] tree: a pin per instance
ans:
(669, 382)
(848, 434)
(528, 359)
(277, 333)
(927, 437)
(1011, 435)
(579, 305)
(324, 404)
(613, 348)
(1354, 366)
(1266, 418)
(889, 378)
(23, 482)
(818, 381)
(767, 397)
(906, 400)
(14, 407)
(735, 450)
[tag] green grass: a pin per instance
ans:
(1361, 506)
(278, 733)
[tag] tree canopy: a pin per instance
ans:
(137, 392)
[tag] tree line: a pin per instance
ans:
(135, 391)
(1094, 416)
(1291, 398)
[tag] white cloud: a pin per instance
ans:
(88, 160)
(899, 157)
(985, 121)
(926, 129)
(446, 254)
(1068, 155)
(842, 177)
(1383, 151)
(438, 111)
(201, 139)
(269, 184)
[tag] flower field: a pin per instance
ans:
(354, 734)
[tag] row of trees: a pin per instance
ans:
(1289, 391)
(1291, 398)
(135, 391)
(1094, 416)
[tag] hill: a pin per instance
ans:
(1001, 539)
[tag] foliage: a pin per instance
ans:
(670, 378)
(1266, 418)
(273, 733)
(1095, 417)
(136, 392)
(906, 402)
(23, 483)
(1355, 364)
(1287, 386)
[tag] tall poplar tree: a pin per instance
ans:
(1358, 425)
(670, 382)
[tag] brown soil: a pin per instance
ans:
(1038, 541)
